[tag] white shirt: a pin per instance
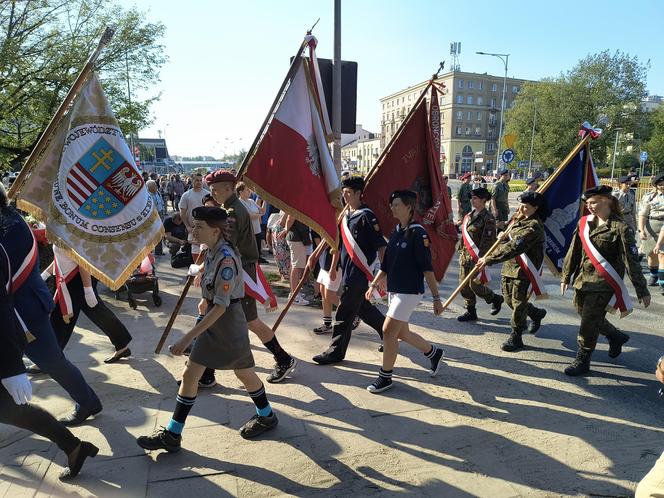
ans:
(189, 201)
(254, 209)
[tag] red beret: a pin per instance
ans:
(465, 175)
(220, 176)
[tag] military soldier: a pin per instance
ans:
(651, 220)
(627, 201)
(463, 196)
(533, 183)
(478, 234)
(222, 336)
(500, 202)
(602, 248)
(522, 254)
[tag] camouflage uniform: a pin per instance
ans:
(500, 195)
(463, 196)
(527, 236)
(482, 229)
(615, 241)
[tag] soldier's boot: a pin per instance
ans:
(469, 316)
(513, 342)
(616, 342)
(496, 304)
(536, 320)
(581, 364)
(652, 280)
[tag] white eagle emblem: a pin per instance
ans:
(313, 157)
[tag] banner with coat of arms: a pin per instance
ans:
(86, 188)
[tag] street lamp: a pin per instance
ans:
(615, 148)
(505, 59)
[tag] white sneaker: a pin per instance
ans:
(301, 301)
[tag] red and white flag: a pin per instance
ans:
(291, 166)
(260, 289)
(472, 248)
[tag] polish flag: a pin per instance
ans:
(292, 167)
(260, 290)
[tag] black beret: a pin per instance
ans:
(658, 178)
(533, 198)
(353, 182)
(503, 171)
(533, 179)
(220, 176)
(599, 190)
(403, 195)
(481, 193)
(625, 179)
(209, 213)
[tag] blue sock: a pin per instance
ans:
(175, 427)
(183, 405)
(259, 398)
(660, 281)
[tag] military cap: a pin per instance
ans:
(209, 213)
(353, 182)
(503, 171)
(625, 179)
(533, 179)
(465, 176)
(599, 190)
(481, 193)
(533, 198)
(658, 178)
(403, 195)
(220, 176)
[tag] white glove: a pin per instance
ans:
(45, 274)
(90, 298)
(194, 270)
(19, 388)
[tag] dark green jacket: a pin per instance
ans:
(526, 237)
(482, 229)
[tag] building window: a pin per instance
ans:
(480, 85)
(489, 165)
(467, 131)
(467, 159)
(470, 84)
(469, 100)
(459, 114)
(492, 120)
(480, 101)
(493, 103)
(460, 83)
(479, 116)
(458, 130)
(478, 131)
(491, 147)
(459, 99)
(469, 116)
(515, 89)
(494, 87)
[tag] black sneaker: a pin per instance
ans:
(356, 322)
(435, 361)
(379, 385)
(323, 329)
(204, 383)
(161, 440)
(281, 371)
(257, 425)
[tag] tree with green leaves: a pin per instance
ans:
(604, 89)
(43, 46)
(655, 146)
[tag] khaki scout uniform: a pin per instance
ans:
(463, 197)
(615, 241)
(527, 236)
(500, 194)
(627, 201)
(243, 239)
(225, 345)
(482, 230)
(652, 208)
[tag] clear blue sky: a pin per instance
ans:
(228, 58)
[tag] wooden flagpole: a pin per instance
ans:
(82, 77)
(499, 241)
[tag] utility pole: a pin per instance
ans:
(336, 87)
(532, 139)
(615, 148)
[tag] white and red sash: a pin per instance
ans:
(472, 248)
(620, 300)
(356, 254)
(533, 274)
(260, 289)
(62, 297)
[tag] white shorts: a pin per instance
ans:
(402, 305)
(325, 280)
(298, 254)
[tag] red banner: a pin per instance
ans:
(412, 162)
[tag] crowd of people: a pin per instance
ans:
(220, 229)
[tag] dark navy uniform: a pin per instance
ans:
(364, 227)
(406, 259)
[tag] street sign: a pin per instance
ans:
(507, 156)
(644, 156)
(523, 164)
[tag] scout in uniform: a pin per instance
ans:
(659, 249)
(602, 248)
(223, 337)
(627, 201)
(221, 185)
(478, 233)
(651, 220)
(463, 196)
(500, 203)
(361, 241)
(522, 254)
(407, 263)
(533, 183)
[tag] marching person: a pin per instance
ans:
(16, 391)
(33, 304)
(522, 255)
(659, 249)
(222, 336)
(533, 183)
(362, 240)
(478, 233)
(500, 199)
(222, 185)
(76, 291)
(651, 220)
(405, 266)
(190, 200)
(627, 201)
(463, 196)
(602, 248)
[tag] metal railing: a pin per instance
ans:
(643, 188)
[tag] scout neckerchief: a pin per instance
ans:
(355, 252)
(14, 282)
(472, 248)
(259, 289)
(620, 300)
(533, 274)
(62, 297)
